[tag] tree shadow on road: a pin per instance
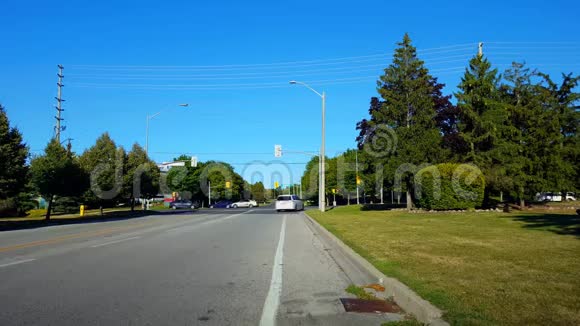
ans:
(564, 224)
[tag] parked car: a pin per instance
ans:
(181, 204)
(289, 202)
(548, 196)
(570, 196)
(222, 204)
(245, 203)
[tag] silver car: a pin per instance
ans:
(245, 203)
(289, 203)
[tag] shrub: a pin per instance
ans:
(380, 207)
(449, 186)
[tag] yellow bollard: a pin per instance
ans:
(82, 210)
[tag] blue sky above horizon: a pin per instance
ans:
(231, 61)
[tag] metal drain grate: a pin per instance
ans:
(360, 305)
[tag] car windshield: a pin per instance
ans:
(281, 198)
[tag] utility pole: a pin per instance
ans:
(209, 194)
(59, 101)
(323, 154)
(480, 49)
(356, 177)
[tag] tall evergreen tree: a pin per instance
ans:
(104, 162)
(562, 169)
(13, 169)
(410, 100)
(529, 134)
(484, 123)
(141, 178)
(57, 173)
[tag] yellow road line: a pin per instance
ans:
(72, 236)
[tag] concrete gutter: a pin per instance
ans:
(351, 262)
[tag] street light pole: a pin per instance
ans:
(322, 179)
(149, 117)
(322, 150)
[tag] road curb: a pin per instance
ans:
(406, 298)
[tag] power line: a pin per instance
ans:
(305, 63)
(258, 75)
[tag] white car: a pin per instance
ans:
(245, 203)
(289, 203)
(570, 196)
(549, 196)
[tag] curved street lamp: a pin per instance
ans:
(321, 181)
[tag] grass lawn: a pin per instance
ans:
(480, 268)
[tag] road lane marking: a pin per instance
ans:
(17, 262)
(205, 222)
(72, 236)
(113, 242)
(270, 309)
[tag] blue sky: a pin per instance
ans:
(231, 62)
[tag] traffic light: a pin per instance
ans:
(277, 151)
(276, 185)
(228, 184)
(358, 180)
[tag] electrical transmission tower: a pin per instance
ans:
(58, 128)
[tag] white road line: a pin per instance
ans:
(195, 226)
(270, 309)
(113, 242)
(17, 262)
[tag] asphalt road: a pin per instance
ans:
(208, 267)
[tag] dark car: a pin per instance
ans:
(181, 204)
(222, 204)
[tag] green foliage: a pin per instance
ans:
(57, 173)
(310, 178)
(450, 186)
(258, 192)
(104, 163)
(13, 169)
(192, 183)
(67, 205)
(410, 100)
(141, 177)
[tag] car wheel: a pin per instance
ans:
(235, 206)
(251, 206)
(211, 206)
(278, 210)
(173, 208)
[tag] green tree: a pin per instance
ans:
(310, 180)
(57, 173)
(346, 174)
(484, 123)
(258, 192)
(104, 163)
(141, 177)
(13, 169)
(193, 182)
(403, 121)
(561, 166)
